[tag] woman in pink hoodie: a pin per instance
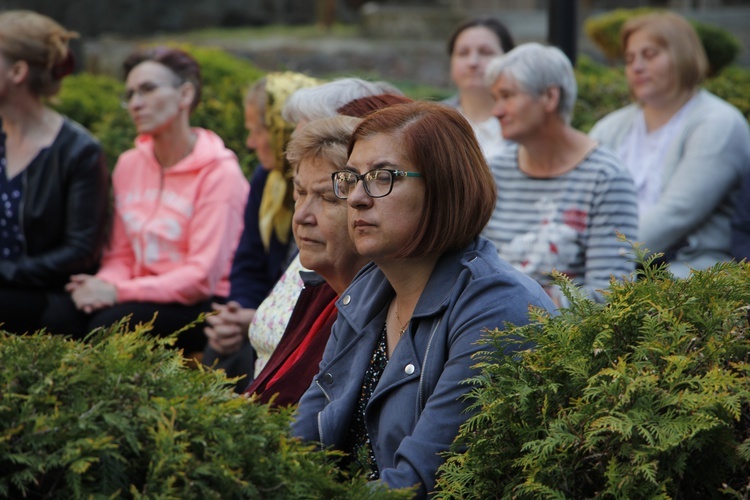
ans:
(179, 200)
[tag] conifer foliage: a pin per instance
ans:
(646, 396)
(123, 417)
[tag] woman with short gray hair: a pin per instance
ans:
(562, 197)
(536, 68)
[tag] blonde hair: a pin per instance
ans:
(324, 139)
(676, 35)
(42, 43)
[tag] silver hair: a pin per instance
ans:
(536, 68)
(324, 100)
(386, 88)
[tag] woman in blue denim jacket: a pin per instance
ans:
(389, 392)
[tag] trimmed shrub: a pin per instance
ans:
(604, 29)
(225, 79)
(722, 48)
(94, 101)
(733, 85)
(720, 45)
(646, 396)
(87, 97)
(122, 416)
(601, 90)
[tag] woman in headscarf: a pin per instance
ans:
(266, 246)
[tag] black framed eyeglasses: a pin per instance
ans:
(377, 182)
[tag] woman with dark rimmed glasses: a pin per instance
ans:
(377, 182)
(389, 391)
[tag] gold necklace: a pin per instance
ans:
(403, 328)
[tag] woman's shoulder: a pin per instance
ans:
(140, 153)
(75, 149)
(482, 260)
(482, 263)
(210, 151)
(603, 160)
(712, 124)
(709, 107)
(603, 169)
(451, 101)
(505, 157)
(497, 281)
(75, 136)
(614, 122)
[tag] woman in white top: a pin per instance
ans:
(685, 148)
(471, 46)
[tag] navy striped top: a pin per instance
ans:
(568, 223)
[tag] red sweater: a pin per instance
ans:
(294, 362)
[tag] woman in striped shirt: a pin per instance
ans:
(562, 197)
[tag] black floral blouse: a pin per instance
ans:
(358, 445)
(11, 237)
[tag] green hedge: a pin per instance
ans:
(601, 90)
(94, 101)
(733, 85)
(122, 416)
(646, 396)
(720, 45)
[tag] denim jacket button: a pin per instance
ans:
(346, 300)
(328, 378)
(409, 369)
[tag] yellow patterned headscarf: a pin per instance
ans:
(276, 205)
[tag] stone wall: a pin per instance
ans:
(403, 44)
(139, 17)
(385, 18)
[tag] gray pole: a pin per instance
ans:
(562, 24)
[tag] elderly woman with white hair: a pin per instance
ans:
(562, 197)
(230, 330)
(325, 100)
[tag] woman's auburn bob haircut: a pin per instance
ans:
(439, 143)
(675, 34)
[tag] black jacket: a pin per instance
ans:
(64, 212)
